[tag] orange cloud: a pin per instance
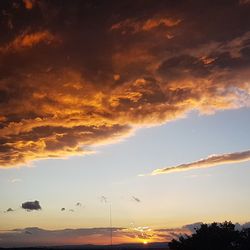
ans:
(29, 4)
(155, 22)
(29, 40)
(69, 85)
(135, 26)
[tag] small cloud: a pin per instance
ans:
(104, 199)
(31, 205)
(71, 210)
(116, 77)
(136, 199)
(63, 209)
(192, 227)
(28, 4)
(9, 210)
(78, 204)
(16, 180)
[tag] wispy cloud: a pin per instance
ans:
(134, 26)
(16, 180)
(210, 161)
(28, 40)
(136, 199)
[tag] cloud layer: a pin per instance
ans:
(211, 161)
(34, 236)
(84, 73)
(40, 237)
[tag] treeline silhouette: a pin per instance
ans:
(216, 236)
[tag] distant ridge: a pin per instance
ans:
(130, 246)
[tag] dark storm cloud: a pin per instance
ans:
(74, 74)
(183, 66)
(31, 205)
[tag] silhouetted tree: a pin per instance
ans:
(245, 239)
(216, 236)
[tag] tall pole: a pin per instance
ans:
(110, 222)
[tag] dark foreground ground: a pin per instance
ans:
(149, 246)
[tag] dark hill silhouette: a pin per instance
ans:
(126, 246)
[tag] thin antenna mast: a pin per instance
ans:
(110, 222)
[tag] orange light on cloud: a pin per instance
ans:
(64, 93)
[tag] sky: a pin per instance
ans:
(135, 108)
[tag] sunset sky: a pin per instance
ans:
(140, 106)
